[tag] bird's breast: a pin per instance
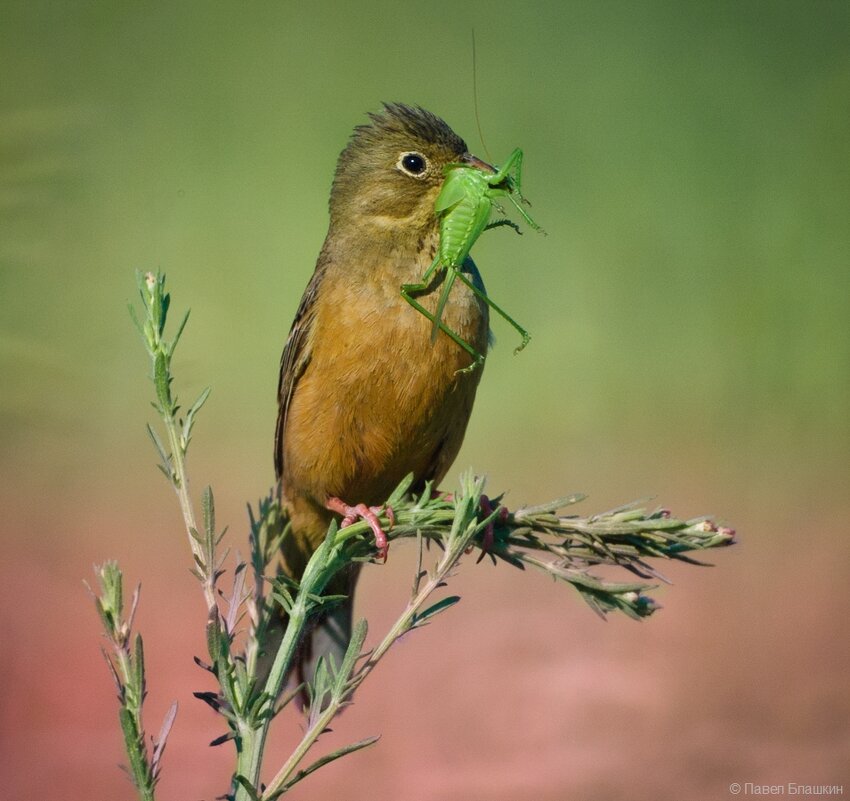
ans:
(379, 399)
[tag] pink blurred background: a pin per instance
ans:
(520, 691)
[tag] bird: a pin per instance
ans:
(366, 396)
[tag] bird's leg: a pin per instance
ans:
(350, 514)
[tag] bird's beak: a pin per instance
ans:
(474, 161)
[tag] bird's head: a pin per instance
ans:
(389, 175)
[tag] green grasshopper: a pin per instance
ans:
(463, 208)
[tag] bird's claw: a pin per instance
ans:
(350, 515)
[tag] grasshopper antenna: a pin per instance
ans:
(475, 99)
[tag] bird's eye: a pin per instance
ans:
(414, 164)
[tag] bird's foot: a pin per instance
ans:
(350, 514)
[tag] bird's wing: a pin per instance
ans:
(296, 356)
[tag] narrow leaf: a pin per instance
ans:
(358, 637)
(157, 443)
(134, 747)
(203, 665)
(179, 333)
(438, 607)
(211, 699)
(231, 735)
(115, 677)
(208, 507)
(401, 490)
(214, 637)
(162, 383)
(247, 786)
(348, 749)
(138, 678)
(136, 322)
(162, 738)
(551, 506)
(196, 406)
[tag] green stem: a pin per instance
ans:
(156, 303)
(130, 715)
(248, 758)
(401, 627)
(253, 738)
(302, 748)
(464, 518)
(323, 564)
(181, 487)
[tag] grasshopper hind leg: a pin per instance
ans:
(503, 222)
(526, 337)
(477, 358)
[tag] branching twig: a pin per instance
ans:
(127, 667)
(334, 686)
(155, 304)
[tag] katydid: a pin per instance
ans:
(463, 207)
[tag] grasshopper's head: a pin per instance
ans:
(391, 172)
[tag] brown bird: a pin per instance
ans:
(365, 396)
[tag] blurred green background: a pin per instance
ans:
(688, 308)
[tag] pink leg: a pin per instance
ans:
(350, 514)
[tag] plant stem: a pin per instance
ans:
(464, 528)
(323, 564)
(250, 755)
(181, 487)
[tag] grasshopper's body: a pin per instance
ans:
(463, 207)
